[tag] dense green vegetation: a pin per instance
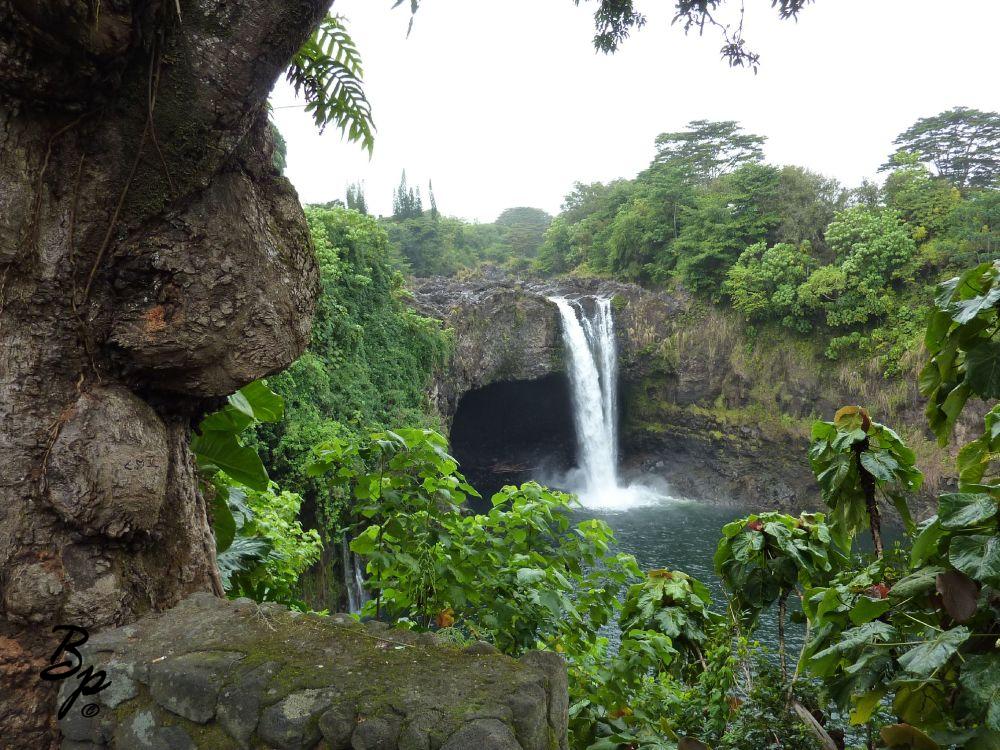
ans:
(901, 644)
(428, 244)
(371, 357)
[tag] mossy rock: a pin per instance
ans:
(218, 674)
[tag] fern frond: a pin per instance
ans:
(242, 556)
(327, 71)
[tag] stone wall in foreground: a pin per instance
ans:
(217, 674)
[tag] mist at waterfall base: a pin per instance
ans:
(592, 364)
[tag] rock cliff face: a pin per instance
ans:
(716, 414)
(504, 331)
(217, 674)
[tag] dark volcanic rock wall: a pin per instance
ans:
(503, 331)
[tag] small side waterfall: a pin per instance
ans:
(593, 372)
(354, 579)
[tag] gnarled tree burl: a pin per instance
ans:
(151, 260)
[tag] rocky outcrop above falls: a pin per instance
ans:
(218, 674)
(503, 331)
(507, 329)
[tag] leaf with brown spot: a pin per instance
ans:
(959, 594)
(850, 418)
(907, 736)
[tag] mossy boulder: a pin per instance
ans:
(212, 673)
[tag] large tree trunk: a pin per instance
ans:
(151, 261)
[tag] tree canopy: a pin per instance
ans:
(709, 149)
(963, 144)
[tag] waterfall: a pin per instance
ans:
(354, 578)
(590, 346)
(593, 373)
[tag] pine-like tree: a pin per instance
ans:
(430, 194)
(401, 201)
(356, 198)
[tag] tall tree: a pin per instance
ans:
(401, 199)
(709, 149)
(152, 260)
(962, 144)
(923, 201)
(522, 229)
(430, 194)
(738, 211)
(406, 202)
(807, 203)
(356, 198)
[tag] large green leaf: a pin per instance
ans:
(922, 660)
(965, 310)
(870, 632)
(978, 557)
(865, 705)
(937, 329)
(242, 556)
(222, 451)
(919, 582)
(982, 369)
(223, 523)
(253, 402)
(981, 682)
(228, 419)
(960, 510)
(899, 503)
(925, 545)
(905, 736)
(973, 461)
(258, 401)
(920, 701)
(880, 465)
(867, 609)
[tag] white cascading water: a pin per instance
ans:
(354, 579)
(593, 373)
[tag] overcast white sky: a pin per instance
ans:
(505, 102)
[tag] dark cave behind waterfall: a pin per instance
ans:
(514, 431)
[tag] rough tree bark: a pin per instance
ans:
(151, 262)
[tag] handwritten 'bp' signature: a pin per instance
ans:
(70, 666)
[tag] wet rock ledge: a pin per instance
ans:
(217, 674)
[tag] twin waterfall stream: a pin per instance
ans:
(592, 354)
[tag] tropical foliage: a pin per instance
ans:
(327, 71)
(370, 359)
(261, 546)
